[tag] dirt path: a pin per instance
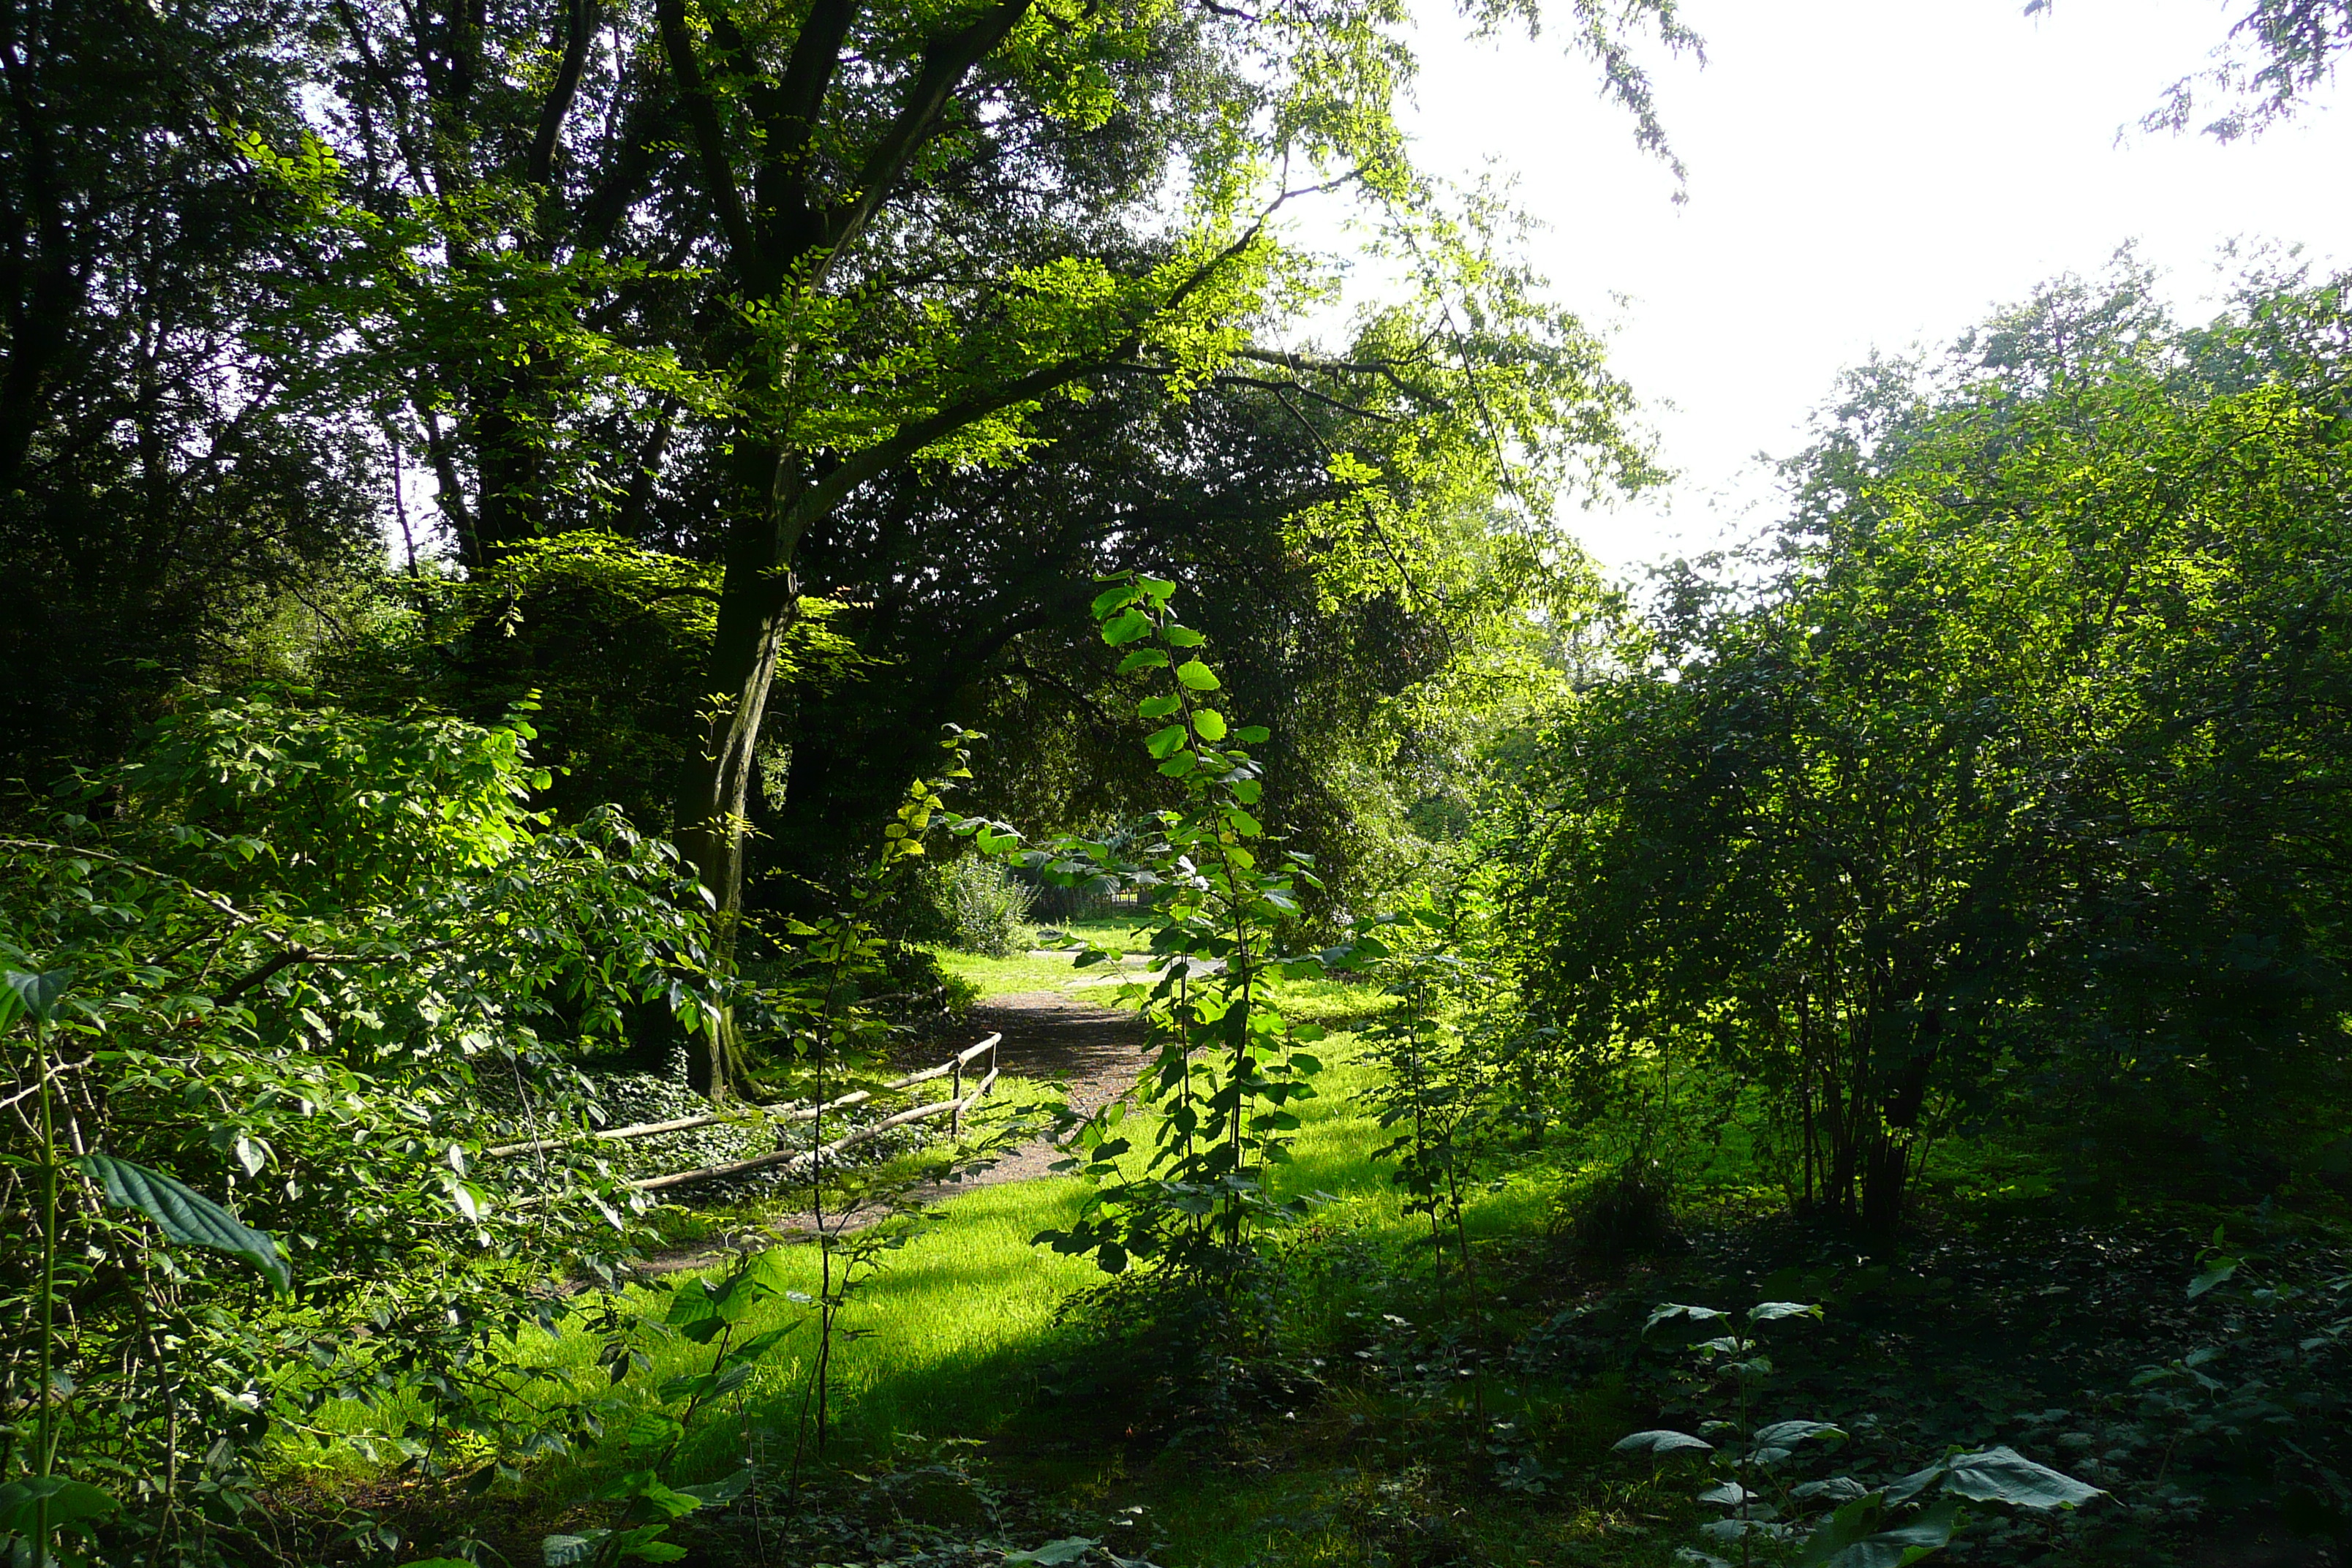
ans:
(1050, 1037)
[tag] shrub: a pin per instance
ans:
(298, 971)
(1628, 1213)
(981, 907)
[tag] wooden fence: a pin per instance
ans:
(958, 1067)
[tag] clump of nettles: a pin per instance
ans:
(1626, 1213)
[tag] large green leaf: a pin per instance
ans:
(1850, 1538)
(36, 993)
(651, 1429)
(1128, 626)
(1054, 1553)
(2003, 1475)
(1788, 1434)
(72, 1503)
(1772, 1311)
(184, 1215)
(719, 1493)
(1671, 1311)
(1661, 1442)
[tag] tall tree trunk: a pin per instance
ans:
(758, 604)
(1887, 1170)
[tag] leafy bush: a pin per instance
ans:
(310, 966)
(979, 906)
(1226, 1065)
(1628, 1212)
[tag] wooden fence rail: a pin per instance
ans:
(958, 1102)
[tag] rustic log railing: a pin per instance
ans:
(954, 1107)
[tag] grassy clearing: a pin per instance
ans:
(951, 1336)
(1052, 971)
(1305, 1000)
(960, 1335)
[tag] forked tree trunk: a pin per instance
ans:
(1887, 1169)
(758, 604)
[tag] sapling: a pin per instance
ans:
(1225, 1066)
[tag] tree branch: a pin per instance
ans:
(710, 137)
(580, 26)
(945, 62)
(799, 99)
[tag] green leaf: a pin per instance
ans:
(1771, 1311)
(1789, 1433)
(1849, 1539)
(1197, 676)
(651, 1429)
(2004, 1475)
(1117, 598)
(1158, 707)
(1143, 658)
(1166, 742)
(719, 1493)
(1130, 626)
(707, 1385)
(1185, 636)
(2219, 1274)
(563, 1551)
(1671, 1310)
(1242, 823)
(184, 1215)
(1253, 734)
(1661, 1442)
(70, 1503)
(1209, 724)
(1055, 1553)
(38, 994)
(647, 1488)
(1177, 766)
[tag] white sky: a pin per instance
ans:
(1863, 173)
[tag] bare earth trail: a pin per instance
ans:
(1048, 1036)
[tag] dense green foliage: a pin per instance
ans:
(270, 929)
(2001, 789)
(519, 514)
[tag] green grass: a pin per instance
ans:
(953, 1337)
(1302, 1001)
(951, 1333)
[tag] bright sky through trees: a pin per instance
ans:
(1862, 175)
